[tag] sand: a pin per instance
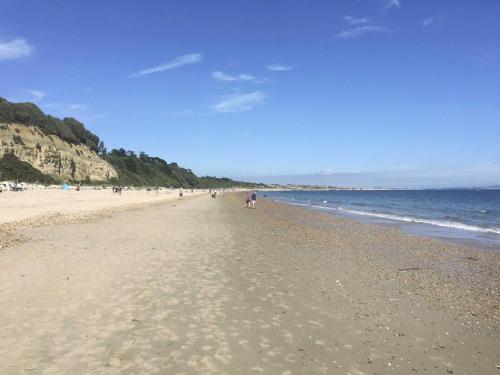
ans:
(37, 207)
(206, 286)
(15, 206)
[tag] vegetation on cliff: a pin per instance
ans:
(68, 129)
(13, 169)
(143, 169)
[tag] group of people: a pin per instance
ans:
(251, 200)
(12, 186)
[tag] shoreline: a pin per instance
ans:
(458, 232)
(423, 253)
(206, 286)
(414, 229)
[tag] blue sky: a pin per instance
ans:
(353, 92)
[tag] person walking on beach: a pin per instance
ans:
(247, 202)
(181, 193)
(254, 199)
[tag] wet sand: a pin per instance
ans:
(206, 286)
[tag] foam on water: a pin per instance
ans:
(407, 219)
(456, 212)
(446, 224)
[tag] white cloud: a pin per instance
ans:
(239, 102)
(355, 21)
(229, 78)
(358, 31)
(15, 49)
(35, 94)
(179, 61)
(280, 68)
(393, 4)
(427, 21)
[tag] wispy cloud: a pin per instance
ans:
(27, 95)
(392, 4)
(327, 171)
(15, 49)
(229, 78)
(35, 95)
(357, 27)
(427, 21)
(355, 21)
(64, 110)
(355, 32)
(77, 107)
(280, 67)
(185, 112)
(179, 61)
(97, 116)
(239, 102)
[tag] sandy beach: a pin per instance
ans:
(38, 207)
(15, 206)
(205, 286)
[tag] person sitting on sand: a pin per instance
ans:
(254, 199)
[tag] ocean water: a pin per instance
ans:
(464, 215)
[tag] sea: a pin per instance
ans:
(467, 216)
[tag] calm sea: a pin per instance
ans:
(465, 215)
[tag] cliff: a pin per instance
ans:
(52, 156)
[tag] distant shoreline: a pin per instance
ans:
(312, 188)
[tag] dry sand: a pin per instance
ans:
(32, 208)
(205, 286)
(15, 206)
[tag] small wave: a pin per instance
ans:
(445, 224)
(408, 219)
(325, 201)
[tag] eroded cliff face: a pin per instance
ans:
(53, 156)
